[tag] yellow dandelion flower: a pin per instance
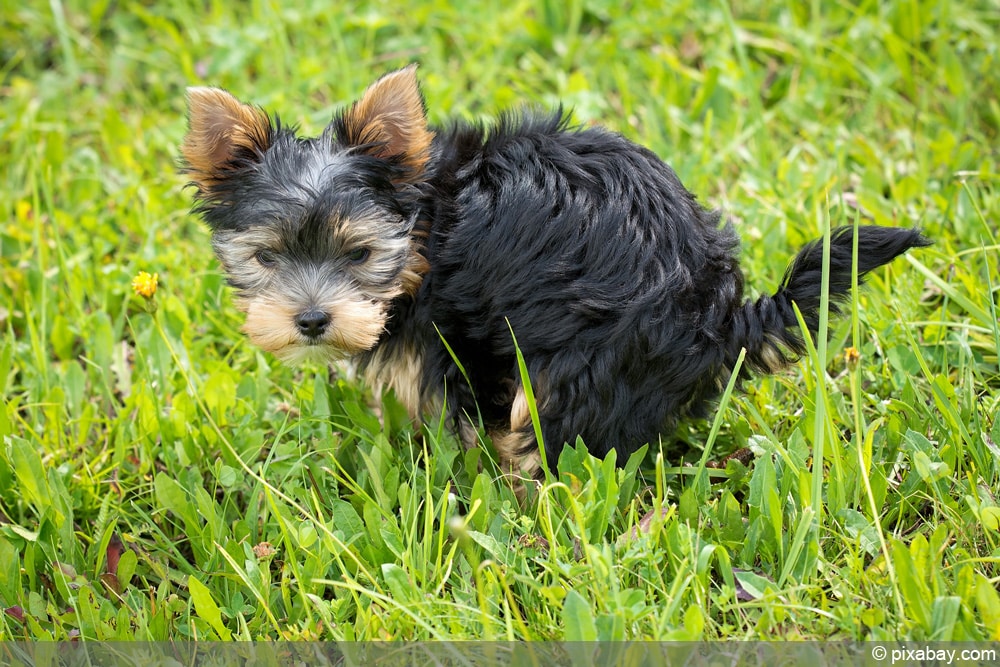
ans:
(144, 284)
(852, 357)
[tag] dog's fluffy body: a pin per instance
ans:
(382, 238)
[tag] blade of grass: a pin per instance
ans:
(529, 396)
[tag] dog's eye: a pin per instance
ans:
(358, 255)
(266, 258)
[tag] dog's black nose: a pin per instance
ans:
(312, 323)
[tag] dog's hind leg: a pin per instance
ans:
(517, 447)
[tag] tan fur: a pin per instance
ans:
(365, 232)
(468, 433)
(219, 124)
(773, 357)
(519, 467)
(523, 469)
(416, 267)
(356, 325)
(269, 325)
(400, 372)
(390, 114)
(520, 415)
(416, 264)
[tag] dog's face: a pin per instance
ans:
(316, 235)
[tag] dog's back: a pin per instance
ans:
(614, 280)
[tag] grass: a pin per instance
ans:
(161, 479)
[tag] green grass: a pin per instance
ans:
(161, 479)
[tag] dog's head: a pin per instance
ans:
(317, 235)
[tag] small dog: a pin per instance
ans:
(410, 248)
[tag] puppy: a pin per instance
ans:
(424, 252)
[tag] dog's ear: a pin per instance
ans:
(221, 131)
(389, 121)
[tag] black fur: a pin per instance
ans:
(624, 293)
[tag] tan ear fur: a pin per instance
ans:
(390, 115)
(218, 126)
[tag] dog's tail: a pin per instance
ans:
(768, 328)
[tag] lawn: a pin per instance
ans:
(162, 479)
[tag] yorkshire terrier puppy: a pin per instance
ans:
(408, 247)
